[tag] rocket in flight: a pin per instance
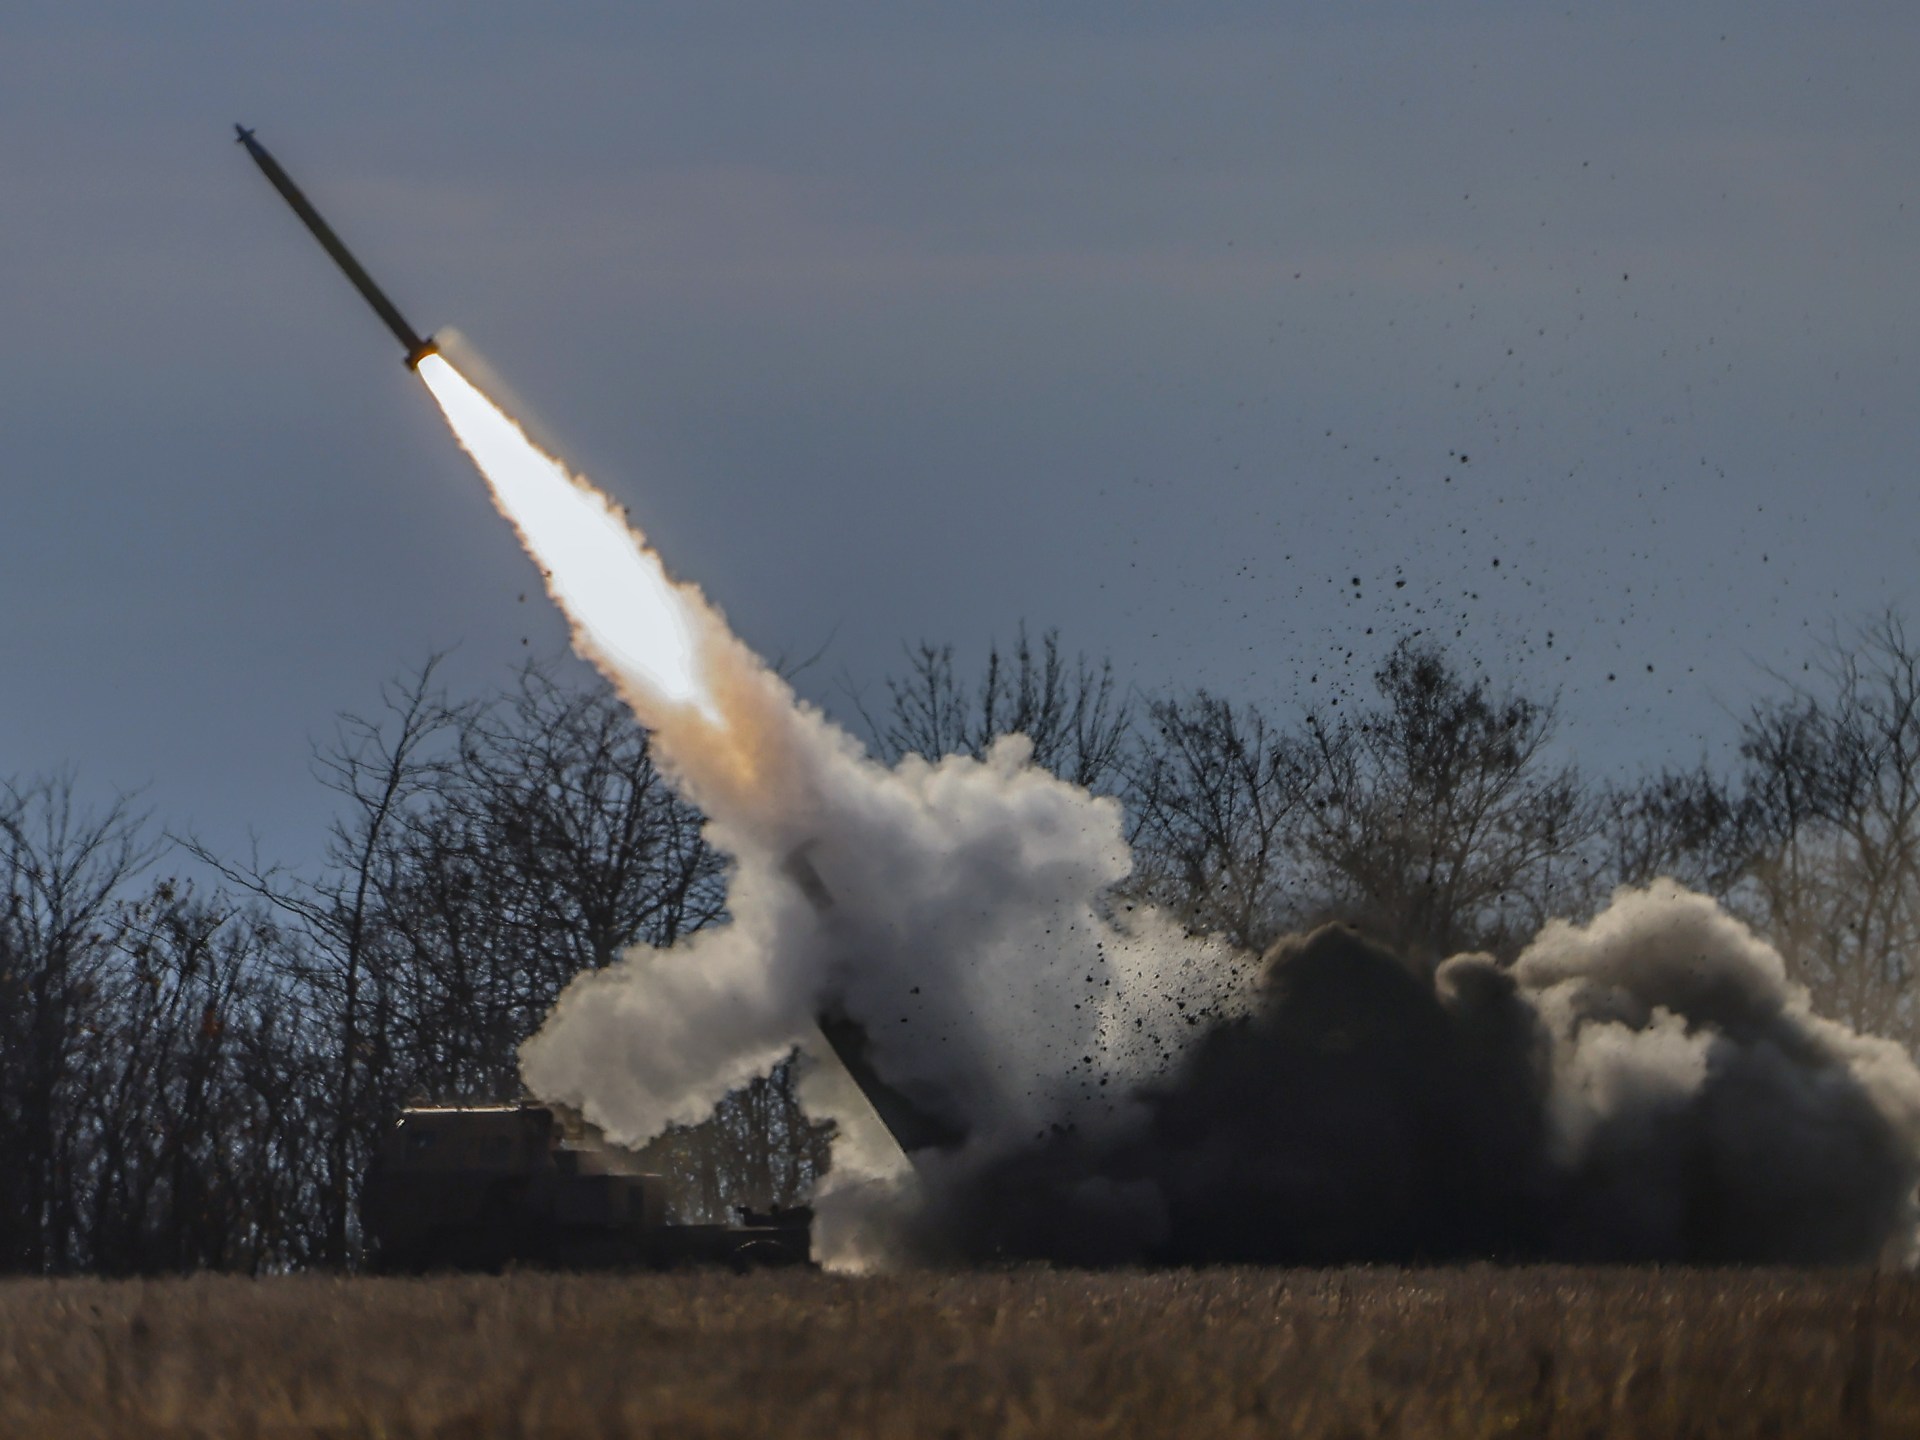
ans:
(417, 349)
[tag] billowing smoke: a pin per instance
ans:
(1648, 1086)
(953, 912)
(1095, 1085)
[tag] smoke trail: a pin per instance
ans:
(965, 931)
(1112, 1090)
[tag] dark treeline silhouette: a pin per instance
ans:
(1439, 818)
(194, 1080)
(194, 1076)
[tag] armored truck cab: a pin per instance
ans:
(479, 1187)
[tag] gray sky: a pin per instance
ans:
(1159, 324)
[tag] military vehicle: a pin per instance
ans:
(480, 1187)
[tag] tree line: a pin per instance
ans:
(195, 1076)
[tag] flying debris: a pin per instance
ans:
(417, 349)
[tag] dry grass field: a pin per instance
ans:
(1544, 1352)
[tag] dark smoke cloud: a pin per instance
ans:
(1648, 1087)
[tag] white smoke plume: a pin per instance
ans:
(1699, 1104)
(965, 931)
(962, 919)
(1647, 1086)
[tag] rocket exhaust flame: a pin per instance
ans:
(626, 614)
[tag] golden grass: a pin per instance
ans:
(1545, 1352)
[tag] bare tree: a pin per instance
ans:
(63, 870)
(341, 948)
(154, 1081)
(1216, 799)
(548, 847)
(1831, 779)
(487, 853)
(1072, 711)
(195, 1125)
(1687, 825)
(1438, 819)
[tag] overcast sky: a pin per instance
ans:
(1159, 324)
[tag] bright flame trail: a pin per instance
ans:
(626, 614)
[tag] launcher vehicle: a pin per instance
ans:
(479, 1187)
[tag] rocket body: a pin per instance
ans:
(416, 348)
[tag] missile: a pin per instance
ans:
(416, 348)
